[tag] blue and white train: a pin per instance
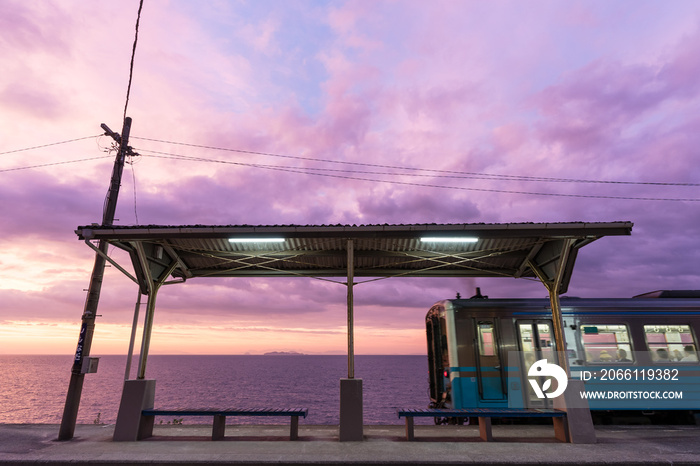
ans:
(638, 344)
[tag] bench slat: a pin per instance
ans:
(219, 426)
(227, 412)
(484, 415)
(481, 412)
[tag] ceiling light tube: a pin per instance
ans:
(450, 239)
(256, 240)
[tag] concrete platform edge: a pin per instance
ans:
(29, 444)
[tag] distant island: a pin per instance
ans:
(283, 353)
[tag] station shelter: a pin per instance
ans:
(165, 255)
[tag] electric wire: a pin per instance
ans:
(298, 170)
(444, 173)
(133, 177)
(334, 172)
(49, 144)
(126, 103)
(53, 163)
(133, 54)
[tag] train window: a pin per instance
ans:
(606, 343)
(671, 343)
(546, 339)
(486, 340)
(537, 339)
(443, 344)
(489, 370)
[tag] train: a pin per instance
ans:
(480, 349)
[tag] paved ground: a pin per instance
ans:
(384, 445)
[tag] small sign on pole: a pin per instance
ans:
(90, 365)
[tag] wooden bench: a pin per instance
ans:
(484, 415)
(220, 417)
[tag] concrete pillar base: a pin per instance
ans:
(136, 396)
(351, 427)
(578, 426)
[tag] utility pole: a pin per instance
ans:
(82, 352)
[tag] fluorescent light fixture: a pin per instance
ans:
(256, 240)
(450, 239)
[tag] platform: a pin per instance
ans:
(384, 445)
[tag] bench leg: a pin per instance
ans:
(294, 428)
(217, 432)
(409, 428)
(561, 429)
(485, 429)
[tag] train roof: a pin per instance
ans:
(678, 300)
(671, 294)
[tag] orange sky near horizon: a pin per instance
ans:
(42, 338)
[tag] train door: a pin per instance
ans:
(488, 362)
(438, 362)
(536, 339)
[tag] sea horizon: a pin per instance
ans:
(35, 386)
(136, 355)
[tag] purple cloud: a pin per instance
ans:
(578, 92)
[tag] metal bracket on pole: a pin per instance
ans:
(111, 261)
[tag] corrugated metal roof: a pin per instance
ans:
(384, 230)
(379, 250)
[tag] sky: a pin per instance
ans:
(369, 113)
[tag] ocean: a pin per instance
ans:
(33, 388)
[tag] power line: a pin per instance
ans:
(318, 172)
(334, 172)
(449, 173)
(133, 53)
(133, 177)
(49, 144)
(53, 163)
(126, 103)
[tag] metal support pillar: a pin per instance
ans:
(153, 287)
(351, 310)
(578, 426)
(351, 420)
(147, 330)
(557, 323)
(135, 323)
(557, 320)
(553, 284)
(139, 394)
